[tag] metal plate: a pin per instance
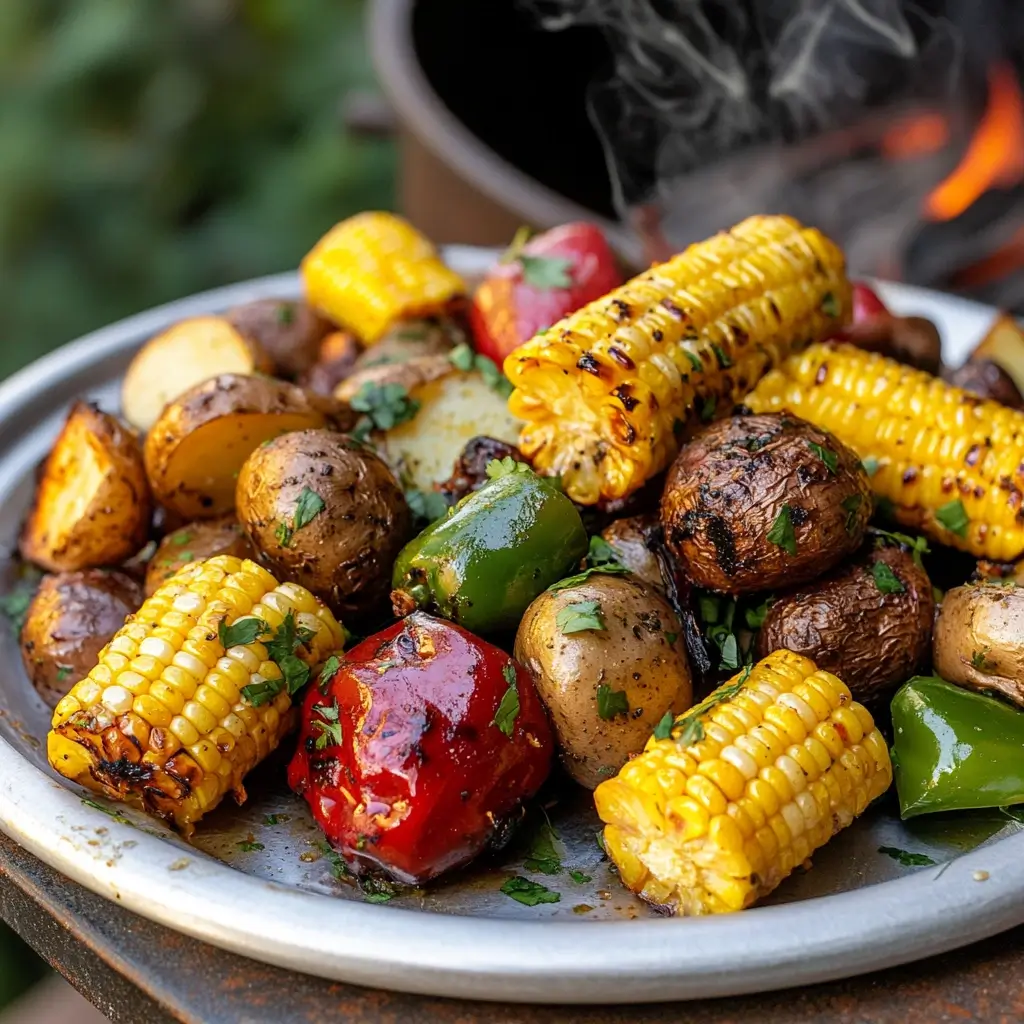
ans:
(854, 911)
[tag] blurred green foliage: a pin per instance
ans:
(153, 148)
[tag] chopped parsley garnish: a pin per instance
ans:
(339, 869)
(671, 638)
(755, 616)
(829, 305)
(724, 362)
(249, 846)
(601, 552)
(579, 877)
(851, 506)
(907, 859)
(692, 727)
(497, 468)
(508, 709)
(546, 272)
(610, 569)
(275, 819)
(384, 406)
(63, 671)
(611, 702)
(953, 516)
(182, 538)
(377, 890)
(543, 855)
(462, 357)
(826, 455)
(576, 618)
(14, 606)
(328, 725)
(870, 465)
(522, 890)
(307, 508)
(979, 660)
(331, 665)
(426, 505)
(241, 632)
(285, 313)
(663, 730)
(707, 409)
(281, 647)
(283, 534)
(781, 534)
(886, 580)
(106, 810)
(695, 360)
(918, 545)
(730, 652)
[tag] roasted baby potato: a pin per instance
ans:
(324, 511)
(608, 659)
(986, 379)
(181, 357)
(628, 538)
(470, 470)
(868, 621)
(92, 504)
(758, 502)
(911, 340)
(196, 448)
(71, 618)
(435, 408)
(196, 542)
(409, 340)
(1004, 346)
(288, 332)
(336, 360)
(979, 638)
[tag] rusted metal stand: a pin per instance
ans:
(134, 971)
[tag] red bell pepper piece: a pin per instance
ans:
(538, 283)
(420, 749)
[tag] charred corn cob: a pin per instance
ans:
(743, 788)
(374, 269)
(608, 391)
(162, 722)
(950, 463)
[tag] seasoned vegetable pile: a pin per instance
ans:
(665, 559)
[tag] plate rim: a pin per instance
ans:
(881, 925)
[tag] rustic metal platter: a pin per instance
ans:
(256, 879)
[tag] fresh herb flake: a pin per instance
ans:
(671, 638)
(461, 357)
(691, 725)
(377, 890)
(979, 660)
(601, 552)
(754, 617)
(249, 846)
(508, 709)
(781, 534)
(522, 890)
(182, 538)
(830, 305)
(328, 725)
(611, 702)
(106, 810)
(907, 859)
(870, 465)
(576, 618)
(953, 516)
(241, 632)
(663, 730)
(886, 580)
(426, 505)
(283, 534)
(546, 272)
(826, 455)
(543, 856)
(331, 665)
(14, 607)
(695, 360)
(308, 507)
(730, 652)
(385, 406)
(724, 362)
(497, 468)
(851, 506)
(917, 546)
(579, 877)
(707, 409)
(285, 313)
(63, 671)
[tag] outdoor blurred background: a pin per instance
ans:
(153, 148)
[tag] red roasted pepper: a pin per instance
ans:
(420, 749)
(538, 283)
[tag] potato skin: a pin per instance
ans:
(99, 461)
(345, 553)
(470, 470)
(979, 639)
(728, 486)
(409, 340)
(986, 379)
(196, 542)
(633, 654)
(629, 539)
(846, 625)
(72, 616)
(289, 332)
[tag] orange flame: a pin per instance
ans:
(995, 156)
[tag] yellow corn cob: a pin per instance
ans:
(608, 391)
(945, 458)
(160, 721)
(713, 817)
(373, 269)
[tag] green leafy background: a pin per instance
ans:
(154, 148)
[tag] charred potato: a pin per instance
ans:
(470, 471)
(986, 379)
(195, 542)
(911, 340)
(1004, 346)
(608, 660)
(758, 502)
(979, 638)
(288, 332)
(440, 407)
(868, 622)
(92, 505)
(196, 448)
(180, 358)
(324, 511)
(336, 360)
(628, 538)
(412, 339)
(71, 618)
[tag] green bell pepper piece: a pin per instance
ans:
(497, 550)
(955, 750)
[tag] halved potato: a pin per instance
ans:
(289, 332)
(1003, 345)
(92, 504)
(454, 406)
(195, 542)
(196, 448)
(184, 355)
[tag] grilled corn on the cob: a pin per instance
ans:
(951, 464)
(374, 269)
(161, 722)
(748, 784)
(608, 391)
